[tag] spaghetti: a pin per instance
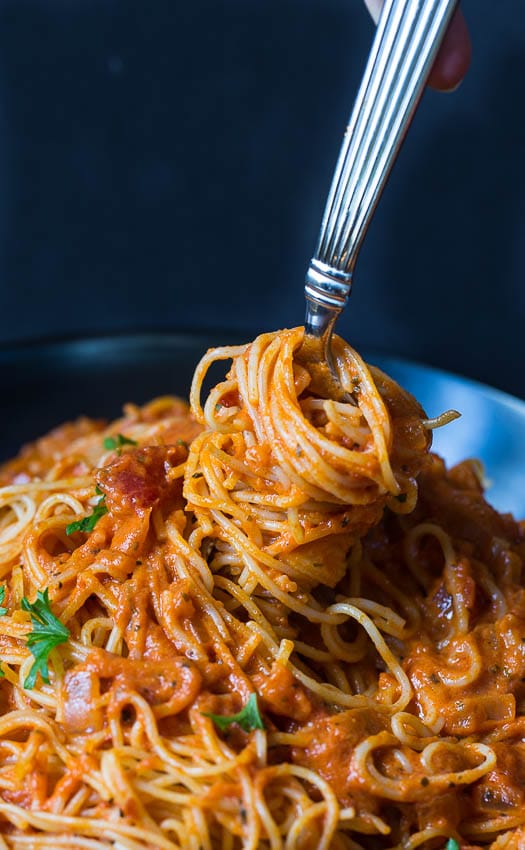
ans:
(272, 621)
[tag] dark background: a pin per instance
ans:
(164, 165)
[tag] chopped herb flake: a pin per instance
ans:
(3, 610)
(88, 523)
(248, 718)
(48, 632)
(118, 441)
(452, 844)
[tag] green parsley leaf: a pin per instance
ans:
(248, 718)
(88, 523)
(3, 610)
(47, 633)
(118, 441)
(452, 844)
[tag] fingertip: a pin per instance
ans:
(453, 58)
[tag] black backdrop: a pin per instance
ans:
(164, 165)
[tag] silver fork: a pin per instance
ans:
(408, 36)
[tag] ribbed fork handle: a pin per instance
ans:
(408, 36)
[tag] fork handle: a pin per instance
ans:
(408, 36)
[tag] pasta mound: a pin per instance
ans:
(273, 621)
